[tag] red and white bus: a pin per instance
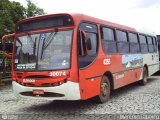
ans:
(76, 57)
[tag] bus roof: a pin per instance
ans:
(81, 17)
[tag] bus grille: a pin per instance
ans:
(46, 94)
(38, 76)
(19, 75)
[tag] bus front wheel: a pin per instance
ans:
(145, 76)
(104, 90)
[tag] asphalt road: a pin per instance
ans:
(129, 100)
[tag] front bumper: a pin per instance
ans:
(70, 90)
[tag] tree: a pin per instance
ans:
(33, 10)
(11, 12)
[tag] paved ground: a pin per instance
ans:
(132, 99)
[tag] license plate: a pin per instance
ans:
(38, 92)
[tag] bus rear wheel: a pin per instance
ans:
(104, 90)
(145, 76)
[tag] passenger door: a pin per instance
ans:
(87, 47)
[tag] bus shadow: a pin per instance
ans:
(73, 107)
(132, 87)
(62, 107)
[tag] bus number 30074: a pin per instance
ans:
(60, 73)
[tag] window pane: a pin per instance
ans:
(88, 27)
(93, 38)
(155, 44)
(108, 34)
(154, 41)
(91, 52)
(121, 36)
(133, 38)
(134, 48)
(123, 47)
(109, 46)
(151, 48)
(149, 40)
(144, 48)
(142, 39)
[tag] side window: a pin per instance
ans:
(108, 40)
(108, 34)
(123, 45)
(134, 44)
(150, 44)
(87, 44)
(143, 44)
(155, 44)
(92, 38)
(158, 43)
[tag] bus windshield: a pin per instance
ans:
(43, 51)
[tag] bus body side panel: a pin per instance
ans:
(131, 70)
(91, 76)
(127, 77)
(134, 68)
(126, 69)
(152, 62)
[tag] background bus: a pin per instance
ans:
(76, 57)
(158, 39)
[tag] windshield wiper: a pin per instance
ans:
(47, 42)
(19, 41)
(51, 36)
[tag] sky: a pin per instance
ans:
(143, 15)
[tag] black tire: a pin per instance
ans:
(145, 76)
(104, 90)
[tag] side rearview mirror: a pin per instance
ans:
(88, 44)
(83, 35)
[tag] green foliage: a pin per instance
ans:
(32, 9)
(11, 12)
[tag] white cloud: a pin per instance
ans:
(140, 14)
(146, 3)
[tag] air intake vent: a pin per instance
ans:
(19, 75)
(46, 94)
(38, 76)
